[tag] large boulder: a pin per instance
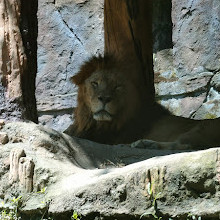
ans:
(57, 174)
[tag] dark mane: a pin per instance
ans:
(127, 128)
(91, 65)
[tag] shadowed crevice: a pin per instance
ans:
(29, 31)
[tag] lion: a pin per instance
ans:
(112, 110)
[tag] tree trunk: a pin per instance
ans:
(13, 63)
(128, 32)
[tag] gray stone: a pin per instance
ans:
(196, 37)
(26, 173)
(184, 73)
(3, 138)
(59, 122)
(71, 31)
(14, 158)
(183, 96)
(210, 108)
(184, 106)
(184, 85)
(215, 82)
(163, 63)
(68, 33)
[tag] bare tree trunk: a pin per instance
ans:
(13, 62)
(12, 57)
(128, 32)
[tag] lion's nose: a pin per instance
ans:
(105, 99)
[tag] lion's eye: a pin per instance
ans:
(94, 84)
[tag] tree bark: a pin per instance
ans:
(12, 57)
(13, 63)
(128, 32)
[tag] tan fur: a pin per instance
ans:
(125, 117)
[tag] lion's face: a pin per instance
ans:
(109, 95)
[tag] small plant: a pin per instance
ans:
(43, 190)
(45, 204)
(153, 210)
(75, 216)
(11, 212)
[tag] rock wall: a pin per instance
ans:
(69, 32)
(187, 73)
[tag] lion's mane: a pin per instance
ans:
(123, 129)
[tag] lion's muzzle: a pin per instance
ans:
(102, 116)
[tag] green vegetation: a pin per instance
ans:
(153, 211)
(11, 212)
(43, 190)
(75, 216)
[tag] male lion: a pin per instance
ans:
(111, 110)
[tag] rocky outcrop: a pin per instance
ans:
(69, 32)
(104, 182)
(26, 173)
(193, 60)
(21, 169)
(14, 158)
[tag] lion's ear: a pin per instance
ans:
(90, 66)
(86, 70)
(77, 80)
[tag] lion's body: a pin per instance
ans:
(110, 110)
